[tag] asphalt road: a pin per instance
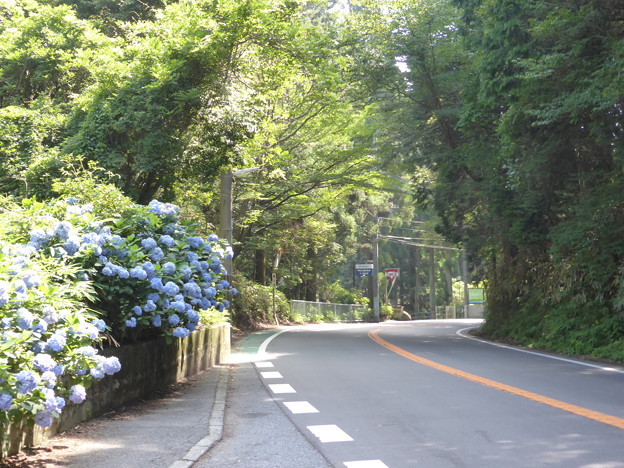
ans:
(421, 395)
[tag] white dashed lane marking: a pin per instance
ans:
(271, 375)
(330, 433)
(282, 388)
(366, 464)
(264, 364)
(300, 407)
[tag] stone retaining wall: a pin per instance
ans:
(146, 369)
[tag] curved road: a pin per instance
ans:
(422, 394)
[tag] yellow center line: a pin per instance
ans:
(577, 410)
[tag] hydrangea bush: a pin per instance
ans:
(69, 278)
(47, 335)
(155, 274)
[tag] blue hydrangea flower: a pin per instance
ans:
(192, 257)
(168, 268)
(31, 279)
(38, 238)
(149, 306)
(72, 245)
(213, 238)
(148, 243)
(154, 297)
(6, 401)
(157, 321)
(210, 292)
(149, 269)
(174, 319)
(38, 347)
(4, 293)
(44, 362)
(180, 332)
(78, 394)
(87, 351)
(27, 380)
(192, 316)
(229, 253)
(40, 327)
(108, 270)
(157, 283)
(195, 242)
(59, 370)
(192, 289)
(166, 240)
(122, 272)
(111, 365)
(20, 291)
(62, 230)
(44, 418)
(82, 276)
(171, 289)
(131, 323)
(24, 318)
(226, 304)
(90, 331)
(97, 372)
(138, 273)
(137, 310)
(180, 306)
(156, 254)
(116, 240)
(234, 291)
(207, 247)
(99, 324)
(191, 326)
(49, 379)
(163, 209)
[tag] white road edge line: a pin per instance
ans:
(265, 343)
(520, 350)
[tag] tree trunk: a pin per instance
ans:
(260, 274)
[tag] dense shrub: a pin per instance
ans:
(254, 305)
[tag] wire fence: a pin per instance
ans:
(306, 311)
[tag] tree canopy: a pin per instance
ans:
(498, 122)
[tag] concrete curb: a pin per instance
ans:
(215, 425)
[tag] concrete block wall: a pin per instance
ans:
(147, 369)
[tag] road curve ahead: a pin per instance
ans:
(423, 394)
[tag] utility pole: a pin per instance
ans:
(466, 282)
(376, 278)
(226, 222)
(226, 225)
(417, 284)
(432, 284)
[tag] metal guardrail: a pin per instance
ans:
(326, 312)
